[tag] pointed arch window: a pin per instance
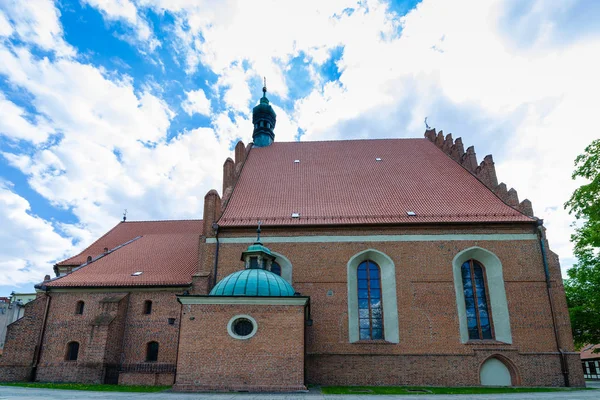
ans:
(152, 351)
(479, 319)
(370, 305)
(72, 351)
(79, 307)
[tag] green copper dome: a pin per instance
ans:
(253, 282)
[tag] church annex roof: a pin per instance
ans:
(360, 182)
(252, 282)
(125, 231)
(164, 259)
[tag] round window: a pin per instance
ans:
(242, 327)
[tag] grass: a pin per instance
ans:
(92, 387)
(435, 390)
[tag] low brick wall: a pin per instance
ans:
(70, 372)
(436, 370)
(15, 373)
(149, 379)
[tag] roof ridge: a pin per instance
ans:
(345, 140)
(90, 245)
(91, 261)
(164, 220)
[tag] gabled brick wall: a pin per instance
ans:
(22, 339)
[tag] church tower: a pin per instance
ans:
(263, 118)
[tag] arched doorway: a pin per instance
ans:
(494, 372)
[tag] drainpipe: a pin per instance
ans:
(563, 362)
(38, 350)
(215, 226)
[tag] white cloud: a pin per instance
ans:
(196, 102)
(29, 245)
(14, 125)
(37, 22)
(524, 94)
(126, 11)
(114, 152)
(5, 27)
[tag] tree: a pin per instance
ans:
(583, 285)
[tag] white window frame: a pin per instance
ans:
(495, 289)
(388, 294)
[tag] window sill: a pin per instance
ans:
(376, 341)
(478, 342)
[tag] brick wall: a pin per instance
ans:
(271, 360)
(429, 351)
(22, 337)
(141, 329)
(113, 332)
(428, 320)
(96, 331)
(433, 369)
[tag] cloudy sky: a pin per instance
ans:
(108, 105)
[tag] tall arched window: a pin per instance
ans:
(276, 268)
(152, 351)
(479, 319)
(79, 307)
(72, 351)
(370, 307)
(148, 307)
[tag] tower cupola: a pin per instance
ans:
(258, 256)
(263, 118)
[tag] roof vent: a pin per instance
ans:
(296, 161)
(378, 159)
(411, 213)
(137, 273)
(295, 215)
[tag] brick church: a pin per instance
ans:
(353, 262)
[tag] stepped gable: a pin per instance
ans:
(485, 171)
(343, 182)
(166, 259)
(125, 231)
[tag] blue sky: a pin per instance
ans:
(135, 104)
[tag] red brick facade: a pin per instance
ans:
(288, 352)
(271, 360)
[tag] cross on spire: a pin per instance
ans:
(258, 232)
(264, 86)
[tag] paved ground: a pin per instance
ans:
(8, 392)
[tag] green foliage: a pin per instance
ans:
(583, 285)
(390, 390)
(91, 387)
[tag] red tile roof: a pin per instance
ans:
(340, 182)
(588, 352)
(164, 260)
(125, 231)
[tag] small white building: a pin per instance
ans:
(12, 309)
(590, 361)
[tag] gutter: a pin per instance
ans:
(563, 362)
(215, 226)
